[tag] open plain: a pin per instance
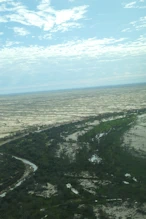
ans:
(26, 111)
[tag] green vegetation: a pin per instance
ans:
(41, 148)
(117, 160)
(10, 171)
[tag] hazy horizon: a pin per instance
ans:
(73, 89)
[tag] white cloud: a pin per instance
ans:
(20, 31)
(130, 5)
(45, 17)
(46, 36)
(11, 6)
(92, 48)
(2, 1)
(66, 26)
(1, 33)
(126, 30)
(140, 24)
(3, 20)
(11, 43)
(135, 4)
(44, 4)
(2, 8)
(74, 14)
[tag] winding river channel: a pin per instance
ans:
(30, 168)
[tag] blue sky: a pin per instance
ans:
(59, 44)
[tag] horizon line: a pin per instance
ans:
(71, 89)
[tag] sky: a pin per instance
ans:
(61, 44)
